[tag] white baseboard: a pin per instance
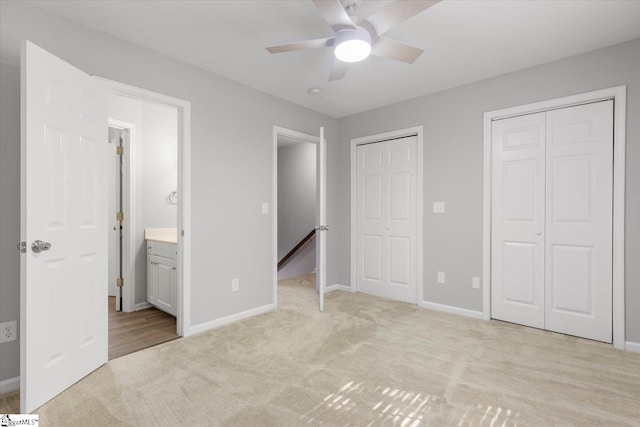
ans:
(141, 306)
(451, 309)
(10, 384)
(337, 287)
(632, 346)
(229, 319)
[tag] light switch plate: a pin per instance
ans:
(438, 207)
(440, 276)
(475, 282)
(265, 208)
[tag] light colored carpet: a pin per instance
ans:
(366, 361)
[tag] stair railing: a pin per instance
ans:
(296, 248)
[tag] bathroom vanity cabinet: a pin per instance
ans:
(162, 278)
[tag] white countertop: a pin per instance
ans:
(166, 235)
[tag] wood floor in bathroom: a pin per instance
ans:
(130, 332)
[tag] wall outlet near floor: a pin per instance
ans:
(235, 285)
(475, 282)
(440, 276)
(8, 331)
(438, 207)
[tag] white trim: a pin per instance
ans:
(418, 132)
(632, 346)
(618, 94)
(619, 183)
(10, 384)
(202, 327)
(302, 137)
(142, 306)
(452, 309)
(183, 318)
(128, 194)
(338, 287)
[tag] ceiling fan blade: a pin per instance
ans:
(338, 71)
(335, 15)
(387, 48)
(306, 44)
(399, 11)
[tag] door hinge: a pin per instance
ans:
(120, 216)
(22, 247)
(120, 150)
(119, 282)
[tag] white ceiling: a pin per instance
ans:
(464, 41)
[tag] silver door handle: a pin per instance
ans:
(40, 246)
(538, 233)
(322, 228)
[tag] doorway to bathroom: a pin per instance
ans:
(142, 224)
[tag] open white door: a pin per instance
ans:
(63, 280)
(321, 229)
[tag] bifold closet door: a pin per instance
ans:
(517, 221)
(552, 212)
(386, 195)
(579, 215)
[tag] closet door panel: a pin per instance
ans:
(579, 206)
(517, 259)
(386, 219)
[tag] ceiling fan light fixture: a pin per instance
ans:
(352, 45)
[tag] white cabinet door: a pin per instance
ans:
(386, 219)
(152, 279)
(63, 290)
(166, 284)
(517, 220)
(579, 220)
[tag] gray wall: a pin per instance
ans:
(9, 214)
(231, 170)
(158, 173)
(296, 194)
(159, 165)
(452, 122)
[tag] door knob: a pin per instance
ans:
(538, 233)
(40, 246)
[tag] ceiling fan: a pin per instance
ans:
(354, 41)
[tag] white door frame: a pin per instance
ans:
(302, 137)
(125, 258)
(400, 133)
(183, 316)
(618, 94)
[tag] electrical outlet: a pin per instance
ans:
(440, 276)
(475, 282)
(8, 331)
(235, 285)
(438, 207)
